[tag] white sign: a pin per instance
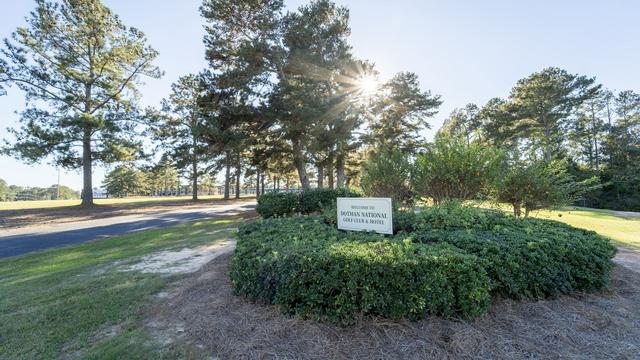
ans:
(365, 214)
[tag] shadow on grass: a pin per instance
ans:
(58, 303)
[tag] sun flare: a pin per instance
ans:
(368, 85)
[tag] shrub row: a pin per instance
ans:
(304, 202)
(445, 260)
(525, 258)
(312, 270)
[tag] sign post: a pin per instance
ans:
(365, 214)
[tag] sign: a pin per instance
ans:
(365, 214)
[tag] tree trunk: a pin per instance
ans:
(194, 194)
(87, 185)
(320, 176)
(301, 166)
(238, 173)
(257, 184)
(227, 175)
(594, 132)
(330, 178)
(340, 170)
(590, 152)
(547, 139)
(262, 181)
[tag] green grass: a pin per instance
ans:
(48, 204)
(64, 301)
(624, 230)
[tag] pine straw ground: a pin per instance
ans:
(203, 315)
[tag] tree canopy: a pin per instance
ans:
(79, 67)
(283, 102)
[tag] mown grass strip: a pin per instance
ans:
(74, 301)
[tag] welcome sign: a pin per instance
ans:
(365, 214)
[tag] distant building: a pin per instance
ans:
(99, 193)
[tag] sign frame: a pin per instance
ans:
(347, 204)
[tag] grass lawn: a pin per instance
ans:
(622, 229)
(74, 301)
(48, 204)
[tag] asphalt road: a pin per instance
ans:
(22, 241)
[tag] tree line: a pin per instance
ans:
(553, 115)
(159, 179)
(53, 192)
(283, 99)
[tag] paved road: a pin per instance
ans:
(22, 241)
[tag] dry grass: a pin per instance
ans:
(201, 313)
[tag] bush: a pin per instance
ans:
(305, 202)
(277, 204)
(527, 258)
(539, 185)
(388, 174)
(445, 260)
(310, 269)
(404, 221)
(452, 169)
(315, 200)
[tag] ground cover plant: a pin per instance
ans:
(446, 260)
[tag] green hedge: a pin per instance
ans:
(525, 258)
(277, 204)
(305, 202)
(312, 270)
(444, 260)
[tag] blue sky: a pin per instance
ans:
(465, 50)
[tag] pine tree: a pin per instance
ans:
(400, 114)
(79, 67)
(544, 102)
(242, 46)
(315, 49)
(463, 122)
(181, 127)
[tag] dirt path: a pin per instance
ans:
(202, 313)
(627, 214)
(184, 261)
(629, 258)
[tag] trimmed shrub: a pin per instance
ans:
(310, 269)
(404, 221)
(444, 260)
(277, 204)
(315, 200)
(526, 258)
(304, 202)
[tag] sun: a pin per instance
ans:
(368, 85)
